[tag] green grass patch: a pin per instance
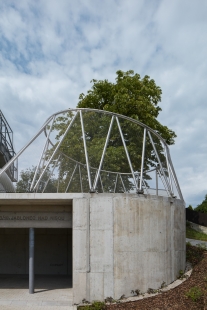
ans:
(194, 293)
(193, 234)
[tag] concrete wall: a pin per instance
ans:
(53, 251)
(200, 228)
(121, 242)
(124, 242)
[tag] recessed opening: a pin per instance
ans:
(53, 257)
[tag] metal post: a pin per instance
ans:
(101, 183)
(174, 175)
(42, 154)
(103, 154)
(127, 154)
(31, 260)
(160, 164)
(52, 174)
(156, 178)
(55, 151)
(168, 169)
(10, 162)
(86, 153)
(143, 154)
(71, 178)
(81, 184)
(124, 188)
(116, 183)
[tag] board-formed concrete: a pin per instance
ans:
(124, 242)
(121, 242)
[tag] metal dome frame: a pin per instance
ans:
(168, 179)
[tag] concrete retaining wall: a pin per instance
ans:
(199, 228)
(121, 242)
(124, 242)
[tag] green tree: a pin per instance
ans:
(26, 177)
(203, 206)
(131, 96)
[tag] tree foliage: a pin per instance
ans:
(131, 96)
(203, 206)
(26, 177)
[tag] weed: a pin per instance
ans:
(136, 292)
(194, 293)
(151, 291)
(110, 299)
(163, 285)
(122, 297)
(96, 305)
(84, 301)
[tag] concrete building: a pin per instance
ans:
(109, 239)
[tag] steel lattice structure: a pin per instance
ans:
(88, 150)
(6, 153)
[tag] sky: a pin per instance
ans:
(50, 51)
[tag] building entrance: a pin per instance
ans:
(52, 252)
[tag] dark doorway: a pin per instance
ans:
(53, 255)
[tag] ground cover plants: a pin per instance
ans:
(190, 295)
(193, 234)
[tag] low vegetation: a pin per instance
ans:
(193, 234)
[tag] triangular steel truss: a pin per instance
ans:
(51, 156)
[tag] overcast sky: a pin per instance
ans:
(50, 50)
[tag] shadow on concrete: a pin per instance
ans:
(42, 282)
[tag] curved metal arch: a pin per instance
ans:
(113, 115)
(109, 113)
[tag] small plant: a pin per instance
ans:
(135, 292)
(122, 297)
(96, 305)
(163, 285)
(84, 301)
(181, 275)
(151, 291)
(110, 299)
(194, 293)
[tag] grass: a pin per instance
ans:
(193, 234)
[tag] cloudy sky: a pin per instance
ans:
(50, 50)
